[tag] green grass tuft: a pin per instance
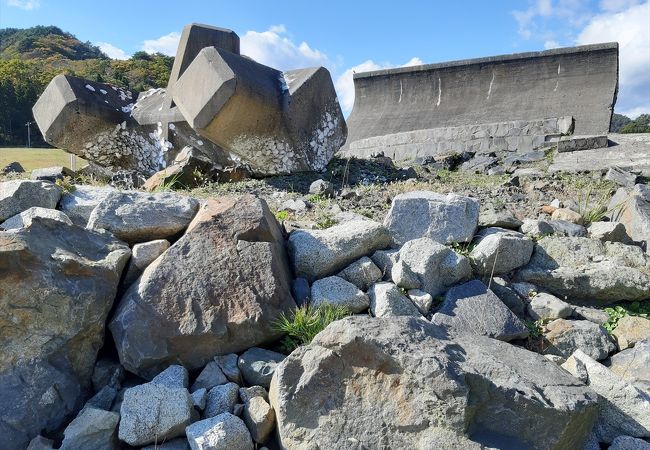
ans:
(304, 323)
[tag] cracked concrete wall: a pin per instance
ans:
(578, 81)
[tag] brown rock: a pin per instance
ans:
(568, 215)
(630, 330)
(548, 209)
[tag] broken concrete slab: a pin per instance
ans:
(579, 143)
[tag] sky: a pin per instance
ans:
(349, 36)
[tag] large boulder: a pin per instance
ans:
(397, 383)
(472, 308)
(57, 285)
(435, 266)
(79, 203)
(623, 409)
(633, 210)
(139, 217)
(443, 218)
(19, 195)
(319, 253)
(633, 365)
(588, 271)
(217, 290)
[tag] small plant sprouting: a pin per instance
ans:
(616, 313)
(304, 323)
(316, 199)
(534, 329)
(282, 215)
(169, 184)
(462, 248)
(67, 184)
(325, 221)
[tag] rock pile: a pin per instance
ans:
(471, 330)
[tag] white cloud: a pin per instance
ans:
(630, 29)
(112, 51)
(166, 44)
(541, 16)
(25, 4)
(551, 44)
(345, 84)
(635, 112)
(276, 49)
(617, 5)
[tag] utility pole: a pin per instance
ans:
(29, 135)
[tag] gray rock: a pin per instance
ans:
(19, 195)
(384, 260)
(52, 326)
(432, 390)
(386, 300)
(228, 365)
(336, 291)
(103, 399)
(142, 255)
(421, 300)
(107, 372)
(594, 315)
(529, 172)
(499, 252)
(508, 296)
(443, 218)
(633, 211)
(564, 228)
(471, 308)
(567, 336)
(498, 218)
(322, 187)
(51, 174)
(403, 276)
(140, 217)
(174, 376)
(437, 267)
(79, 203)
(13, 167)
(629, 443)
(210, 376)
(221, 399)
(294, 205)
(363, 273)
(633, 365)
(318, 253)
(630, 330)
(24, 219)
(479, 164)
(154, 412)
(546, 306)
(222, 432)
(588, 271)
(171, 315)
(41, 443)
(200, 398)
(301, 291)
(623, 409)
(257, 414)
(537, 228)
(621, 177)
(257, 365)
(92, 429)
(174, 444)
(609, 231)
(525, 290)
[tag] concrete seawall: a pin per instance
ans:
(581, 82)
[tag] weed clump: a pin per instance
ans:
(304, 323)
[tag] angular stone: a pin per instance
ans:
(79, 203)
(537, 228)
(443, 218)
(174, 376)
(633, 211)
(546, 306)
(293, 121)
(432, 390)
(403, 276)
(633, 365)
(13, 167)
(576, 143)
(107, 373)
(318, 253)
(629, 443)
(258, 414)
(322, 187)
(363, 273)
(19, 195)
(565, 228)
(222, 432)
(142, 255)
(24, 219)
(502, 218)
(221, 399)
(210, 376)
(499, 251)
(621, 177)
(154, 412)
(594, 315)
(588, 271)
(630, 330)
(567, 215)
(386, 300)
(421, 300)
(139, 217)
(471, 308)
(567, 336)
(437, 267)
(623, 409)
(301, 291)
(229, 367)
(257, 365)
(52, 324)
(609, 231)
(172, 315)
(200, 398)
(92, 429)
(336, 291)
(508, 296)
(52, 174)
(384, 260)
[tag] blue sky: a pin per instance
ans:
(347, 36)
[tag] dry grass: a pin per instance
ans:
(36, 158)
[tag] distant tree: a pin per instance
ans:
(639, 125)
(141, 55)
(618, 120)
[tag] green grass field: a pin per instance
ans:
(35, 158)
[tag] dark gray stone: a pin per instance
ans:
(52, 174)
(19, 195)
(621, 177)
(257, 365)
(567, 336)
